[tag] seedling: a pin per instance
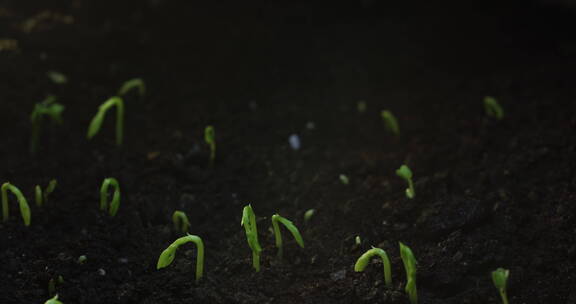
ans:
(390, 122)
(167, 256)
(42, 197)
(493, 108)
(135, 83)
(52, 284)
(57, 77)
(209, 138)
(96, 122)
(405, 173)
(364, 259)
(115, 203)
(24, 208)
(249, 223)
(358, 240)
(82, 259)
(308, 215)
(48, 108)
(181, 221)
(410, 266)
(344, 179)
(500, 279)
(278, 236)
(54, 300)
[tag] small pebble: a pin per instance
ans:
(338, 275)
(294, 141)
(101, 272)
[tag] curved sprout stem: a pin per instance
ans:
(24, 208)
(181, 221)
(390, 122)
(135, 83)
(49, 108)
(276, 218)
(249, 223)
(115, 203)
(364, 259)
(410, 266)
(96, 122)
(167, 256)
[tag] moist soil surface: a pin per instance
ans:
(489, 193)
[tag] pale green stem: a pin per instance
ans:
(24, 208)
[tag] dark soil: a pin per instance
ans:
(488, 193)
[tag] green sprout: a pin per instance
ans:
(249, 223)
(167, 256)
(52, 284)
(48, 108)
(500, 279)
(96, 122)
(405, 173)
(493, 108)
(113, 209)
(390, 122)
(57, 77)
(308, 215)
(135, 83)
(181, 221)
(358, 240)
(410, 265)
(209, 138)
(24, 208)
(42, 197)
(290, 226)
(54, 300)
(344, 179)
(82, 259)
(364, 259)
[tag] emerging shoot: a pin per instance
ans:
(24, 208)
(308, 215)
(390, 122)
(54, 300)
(493, 108)
(210, 139)
(47, 108)
(115, 203)
(167, 256)
(278, 236)
(364, 259)
(249, 223)
(181, 222)
(42, 197)
(500, 279)
(82, 259)
(96, 122)
(410, 265)
(405, 173)
(344, 179)
(136, 83)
